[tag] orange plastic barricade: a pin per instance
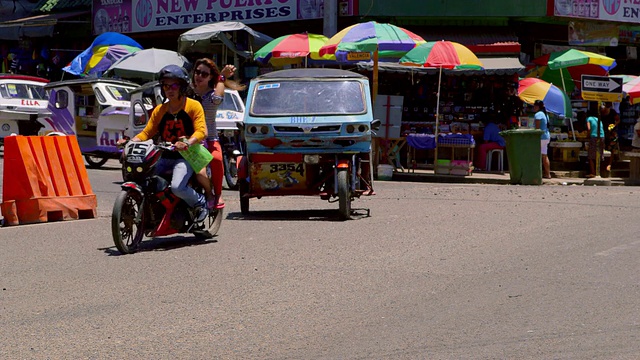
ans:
(45, 180)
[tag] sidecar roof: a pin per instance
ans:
(312, 73)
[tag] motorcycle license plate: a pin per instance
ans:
(272, 176)
(228, 133)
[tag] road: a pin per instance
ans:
(437, 272)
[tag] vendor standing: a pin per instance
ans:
(610, 120)
(596, 135)
(635, 143)
(542, 123)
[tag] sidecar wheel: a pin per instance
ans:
(95, 162)
(244, 201)
(344, 195)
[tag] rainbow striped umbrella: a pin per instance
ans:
(566, 78)
(445, 54)
(632, 89)
(291, 49)
(572, 57)
(391, 41)
(555, 100)
(106, 49)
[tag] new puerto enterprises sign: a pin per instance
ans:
(610, 10)
(129, 16)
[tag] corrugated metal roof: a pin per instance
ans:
(51, 5)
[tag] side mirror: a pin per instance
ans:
(375, 124)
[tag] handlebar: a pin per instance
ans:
(165, 145)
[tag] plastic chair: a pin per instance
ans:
(500, 153)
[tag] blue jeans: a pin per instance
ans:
(181, 173)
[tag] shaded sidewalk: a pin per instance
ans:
(482, 177)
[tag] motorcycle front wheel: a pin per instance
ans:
(126, 221)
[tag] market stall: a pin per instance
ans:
(469, 99)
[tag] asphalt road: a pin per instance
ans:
(437, 272)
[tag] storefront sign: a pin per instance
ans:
(592, 34)
(155, 15)
(628, 36)
(358, 56)
(601, 88)
(609, 10)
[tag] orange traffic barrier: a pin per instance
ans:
(45, 180)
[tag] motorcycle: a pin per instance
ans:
(232, 150)
(146, 205)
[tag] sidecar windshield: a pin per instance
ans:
(308, 97)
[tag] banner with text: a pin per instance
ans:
(610, 10)
(593, 34)
(147, 15)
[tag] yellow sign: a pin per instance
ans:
(278, 177)
(601, 96)
(355, 56)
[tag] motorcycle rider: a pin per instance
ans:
(179, 118)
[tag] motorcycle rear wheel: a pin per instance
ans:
(344, 195)
(211, 225)
(127, 232)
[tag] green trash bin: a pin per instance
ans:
(523, 152)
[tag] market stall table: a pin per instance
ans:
(451, 141)
(634, 167)
(391, 148)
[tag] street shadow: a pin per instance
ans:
(164, 244)
(297, 215)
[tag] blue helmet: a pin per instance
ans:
(174, 72)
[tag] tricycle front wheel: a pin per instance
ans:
(344, 195)
(95, 162)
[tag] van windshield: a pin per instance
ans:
(22, 91)
(308, 97)
(120, 93)
(230, 103)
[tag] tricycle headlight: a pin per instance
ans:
(350, 129)
(311, 159)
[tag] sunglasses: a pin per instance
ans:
(201, 73)
(174, 86)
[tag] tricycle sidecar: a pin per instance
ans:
(308, 132)
(96, 110)
(22, 99)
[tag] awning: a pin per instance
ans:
(492, 66)
(34, 26)
(480, 40)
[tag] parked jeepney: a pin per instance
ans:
(229, 115)
(22, 98)
(96, 110)
(308, 132)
